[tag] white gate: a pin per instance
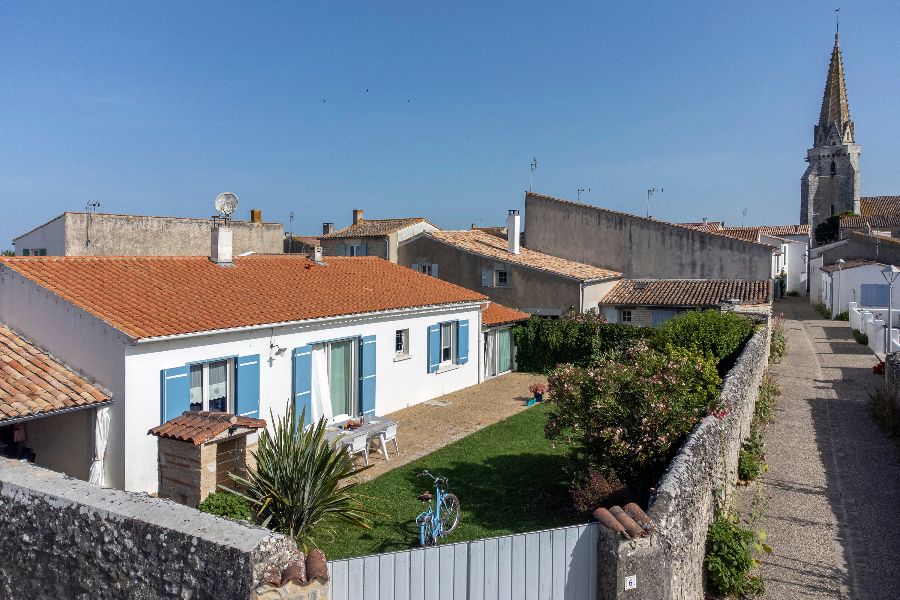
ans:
(555, 564)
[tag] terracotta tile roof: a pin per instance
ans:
(688, 292)
(873, 221)
(877, 239)
(199, 427)
(375, 228)
(490, 246)
(748, 234)
(707, 226)
(32, 383)
(879, 205)
(850, 264)
(168, 295)
(497, 314)
(751, 234)
(785, 229)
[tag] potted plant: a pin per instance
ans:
(537, 391)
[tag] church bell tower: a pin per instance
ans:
(830, 184)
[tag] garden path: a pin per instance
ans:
(431, 425)
(834, 481)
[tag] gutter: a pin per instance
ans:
(53, 413)
(354, 317)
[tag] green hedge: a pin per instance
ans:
(709, 332)
(581, 340)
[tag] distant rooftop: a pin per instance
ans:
(375, 227)
(688, 292)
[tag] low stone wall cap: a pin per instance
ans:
(630, 522)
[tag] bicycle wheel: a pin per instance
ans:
(449, 513)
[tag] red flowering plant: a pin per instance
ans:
(626, 414)
(878, 369)
(537, 388)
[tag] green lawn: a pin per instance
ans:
(507, 476)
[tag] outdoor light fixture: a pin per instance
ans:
(890, 275)
(840, 263)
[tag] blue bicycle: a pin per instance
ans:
(441, 518)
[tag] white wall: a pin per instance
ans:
(846, 286)
(796, 266)
(815, 280)
(414, 230)
(398, 383)
(84, 343)
(591, 294)
(50, 236)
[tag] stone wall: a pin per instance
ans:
(65, 538)
(668, 564)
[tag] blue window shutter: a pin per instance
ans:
(246, 404)
(362, 249)
(303, 383)
(462, 342)
(874, 294)
(175, 384)
(367, 375)
(434, 347)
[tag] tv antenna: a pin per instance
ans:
(743, 216)
(650, 193)
(226, 203)
(531, 176)
(582, 190)
(291, 231)
(92, 205)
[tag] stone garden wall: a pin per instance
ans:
(65, 538)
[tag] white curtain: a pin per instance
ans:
(489, 354)
(321, 390)
(101, 439)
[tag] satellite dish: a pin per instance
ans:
(226, 203)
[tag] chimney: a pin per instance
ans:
(221, 250)
(315, 255)
(327, 228)
(704, 220)
(512, 231)
(357, 216)
(256, 216)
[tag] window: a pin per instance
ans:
(448, 342)
(502, 278)
(401, 342)
(211, 386)
(26, 252)
(625, 315)
(425, 269)
(355, 250)
(342, 380)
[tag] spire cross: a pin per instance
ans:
(837, 21)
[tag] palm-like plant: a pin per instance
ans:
(301, 482)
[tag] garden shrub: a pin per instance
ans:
(861, 338)
(708, 332)
(778, 343)
(590, 490)
(228, 505)
(752, 457)
(844, 316)
(823, 310)
(886, 408)
(764, 412)
(731, 557)
(627, 413)
(580, 339)
(793, 294)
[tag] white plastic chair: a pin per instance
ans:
(359, 445)
(389, 435)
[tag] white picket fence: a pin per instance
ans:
(554, 564)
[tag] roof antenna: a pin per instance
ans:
(650, 193)
(582, 190)
(291, 231)
(743, 214)
(531, 176)
(90, 207)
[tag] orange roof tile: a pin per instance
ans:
(147, 297)
(375, 227)
(202, 426)
(32, 383)
(688, 292)
(497, 314)
(488, 245)
(879, 205)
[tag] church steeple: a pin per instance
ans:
(835, 125)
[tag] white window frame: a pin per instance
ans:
(497, 282)
(204, 382)
(354, 249)
(403, 335)
(451, 327)
(354, 372)
(623, 313)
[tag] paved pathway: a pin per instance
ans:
(834, 478)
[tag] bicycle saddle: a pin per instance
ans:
(424, 496)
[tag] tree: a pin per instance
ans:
(8, 253)
(829, 230)
(301, 482)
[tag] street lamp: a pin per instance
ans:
(890, 275)
(840, 263)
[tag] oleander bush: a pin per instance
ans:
(626, 414)
(228, 505)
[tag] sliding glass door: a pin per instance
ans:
(504, 351)
(342, 377)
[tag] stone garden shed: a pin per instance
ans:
(198, 451)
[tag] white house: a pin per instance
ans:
(169, 334)
(858, 281)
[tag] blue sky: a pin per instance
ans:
(431, 109)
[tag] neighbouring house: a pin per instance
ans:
(48, 410)
(652, 302)
(498, 345)
(639, 247)
(880, 225)
(102, 234)
(505, 271)
(858, 246)
(855, 280)
(372, 237)
(301, 244)
(879, 205)
(244, 335)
